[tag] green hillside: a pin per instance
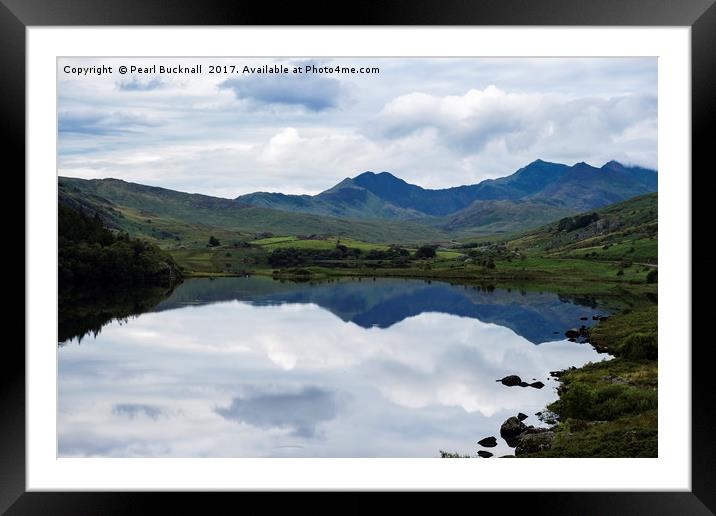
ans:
(490, 217)
(171, 218)
(623, 231)
(344, 200)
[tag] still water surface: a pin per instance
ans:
(252, 367)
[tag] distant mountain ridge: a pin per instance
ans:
(382, 195)
(372, 207)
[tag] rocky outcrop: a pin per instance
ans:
(511, 430)
(537, 440)
(526, 439)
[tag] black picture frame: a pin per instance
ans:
(16, 15)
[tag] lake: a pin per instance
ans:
(255, 367)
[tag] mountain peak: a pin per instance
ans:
(372, 180)
(614, 165)
(583, 166)
(370, 174)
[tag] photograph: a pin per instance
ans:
(357, 257)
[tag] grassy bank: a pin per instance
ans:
(609, 409)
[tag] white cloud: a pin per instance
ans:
(488, 122)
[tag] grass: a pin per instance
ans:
(609, 409)
(611, 335)
(328, 242)
(635, 436)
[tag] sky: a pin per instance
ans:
(435, 122)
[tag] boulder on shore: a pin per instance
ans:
(532, 442)
(511, 380)
(521, 416)
(511, 429)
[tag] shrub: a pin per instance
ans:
(604, 403)
(577, 222)
(452, 455)
(426, 251)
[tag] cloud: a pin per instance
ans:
(102, 123)
(301, 411)
(520, 122)
(133, 410)
(314, 93)
(134, 84)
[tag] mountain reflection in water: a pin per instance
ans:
(239, 367)
(387, 301)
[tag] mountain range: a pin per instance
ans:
(541, 185)
(374, 207)
(388, 301)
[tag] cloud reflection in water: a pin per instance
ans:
(239, 379)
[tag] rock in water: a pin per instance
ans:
(511, 429)
(511, 380)
(534, 442)
(572, 333)
(484, 454)
(488, 442)
(537, 385)
(521, 416)
(524, 384)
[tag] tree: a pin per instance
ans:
(213, 241)
(426, 251)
